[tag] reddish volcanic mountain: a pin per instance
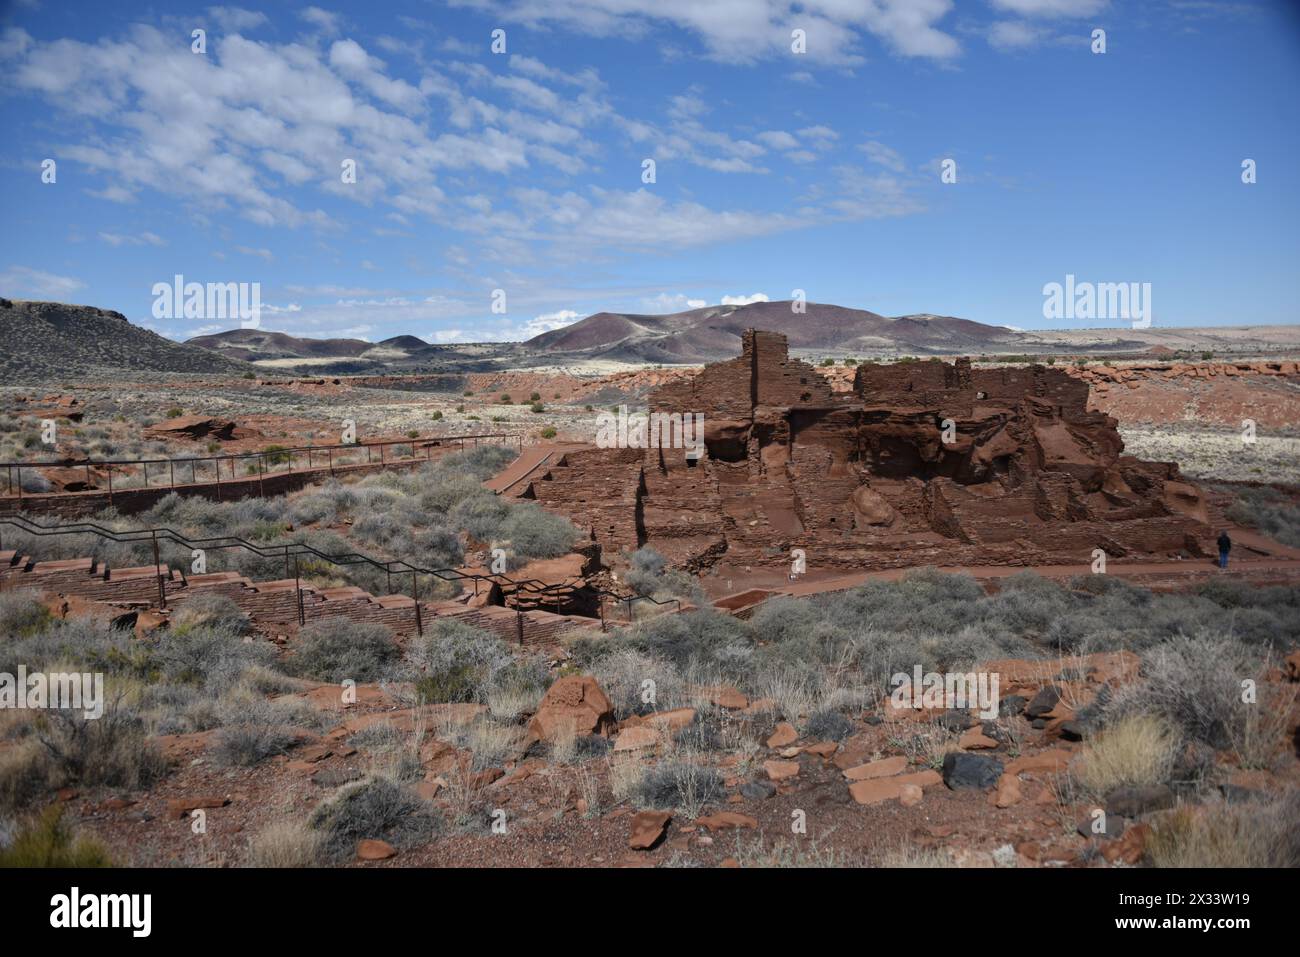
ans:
(714, 332)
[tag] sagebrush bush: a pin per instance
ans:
(1194, 683)
(110, 751)
(456, 662)
(336, 649)
(210, 610)
(376, 809)
(21, 613)
(680, 784)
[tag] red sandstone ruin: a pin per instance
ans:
(865, 480)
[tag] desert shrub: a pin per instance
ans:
(254, 728)
(480, 514)
(48, 841)
(459, 663)
(534, 532)
(646, 569)
(621, 676)
(207, 657)
(547, 433)
(250, 741)
(378, 809)
(1194, 683)
(1136, 751)
(828, 726)
(218, 612)
(110, 751)
(691, 641)
(1257, 835)
(335, 649)
(286, 844)
(680, 784)
(448, 492)
(21, 613)
(25, 775)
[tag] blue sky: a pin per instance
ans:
(775, 170)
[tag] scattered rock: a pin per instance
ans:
(726, 820)
(574, 702)
(727, 697)
(781, 770)
(758, 790)
(910, 795)
(879, 790)
(372, 850)
(1134, 802)
(783, 736)
(1012, 705)
(885, 767)
(963, 771)
(956, 720)
(1115, 825)
(1008, 792)
(180, 807)
(648, 828)
(1043, 703)
(637, 739)
(975, 739)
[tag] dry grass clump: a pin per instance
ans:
(1137, 751)
(286, 844)
(1236, 835)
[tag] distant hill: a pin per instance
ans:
(713, 332)
(42, 341)
(351, 356)
(256, 345)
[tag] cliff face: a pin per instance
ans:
(922, 463)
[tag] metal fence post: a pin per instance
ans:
(157, 565)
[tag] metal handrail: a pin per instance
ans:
(14, 489)
(296, 550)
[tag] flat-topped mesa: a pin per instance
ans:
(922, 463)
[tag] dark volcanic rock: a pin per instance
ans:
(963, 771)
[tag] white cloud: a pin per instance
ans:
(23, 282)
(777, 139)
(322, 20)
(143, 239)
(237, 19)
(1014, 35)
(745, 300)
(748, 30)
(670, 303)
(1051, 8)
(883, 155)
(549, 322)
